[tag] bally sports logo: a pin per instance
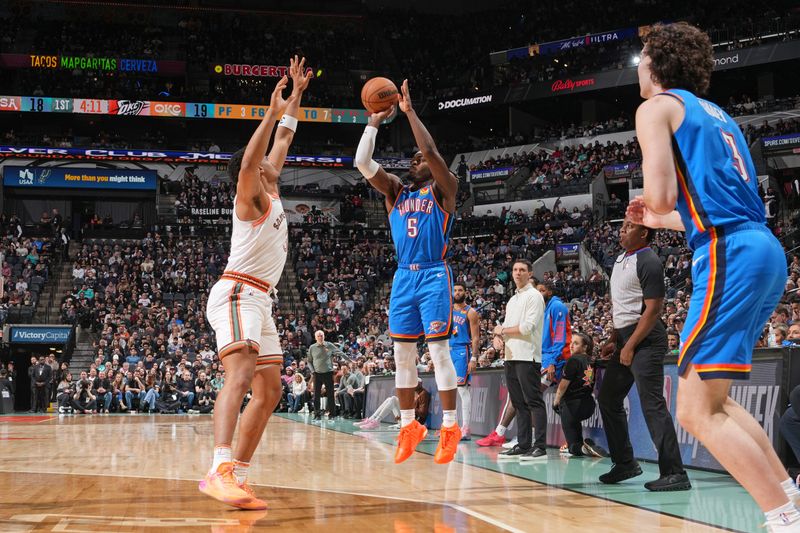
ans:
(570, 85)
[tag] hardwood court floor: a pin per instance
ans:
(139, 473)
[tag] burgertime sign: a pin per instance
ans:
(267, 71)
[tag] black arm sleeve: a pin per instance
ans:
(651, 275)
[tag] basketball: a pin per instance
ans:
(378, 94)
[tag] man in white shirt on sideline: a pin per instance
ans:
(521, 333)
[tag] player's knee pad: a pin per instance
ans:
(443, 365)
(405, 360)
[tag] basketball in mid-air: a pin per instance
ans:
(379, 94)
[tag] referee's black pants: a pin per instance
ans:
(647, 371)
(524, 381)
(320, 379)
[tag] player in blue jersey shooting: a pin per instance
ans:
(699, 178)
(421, 214)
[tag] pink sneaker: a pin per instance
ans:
(492, 439)
(360, 422)
(371, 424)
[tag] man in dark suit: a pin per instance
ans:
(42, 376)
(32, 383)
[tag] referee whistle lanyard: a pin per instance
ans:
(631, 254)
(642, 249)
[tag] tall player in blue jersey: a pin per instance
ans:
(465, 344)
(699, 178)
(420, 216)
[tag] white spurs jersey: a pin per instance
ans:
(259, 247)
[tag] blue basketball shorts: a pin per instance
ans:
(421, 304)
(460, 354)
(738, 275)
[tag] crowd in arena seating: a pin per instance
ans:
(780, 127)
(378, 41)
(145, 300)
(25, 264)
(565, 170)
(195, 192)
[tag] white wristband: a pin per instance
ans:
(288, 122)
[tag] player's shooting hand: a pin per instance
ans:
(276, 102)
(376, 119)
(299, 78)
(405, 98)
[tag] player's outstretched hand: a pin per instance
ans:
(638, 213)
(300, 80)
(276, 101)
(405, 98)
(376, 119)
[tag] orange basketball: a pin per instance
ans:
(378, 94)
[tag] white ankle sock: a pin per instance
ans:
(448, 418)
(500, 430)
(222, 454)
(240, 470)
(406, 417)
(786, 514)
(790, 489)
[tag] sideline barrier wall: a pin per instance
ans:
(765, 396)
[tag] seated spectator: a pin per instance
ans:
(298, 395)
(84, 401)
(573, 400)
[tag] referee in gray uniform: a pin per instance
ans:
(636, 351)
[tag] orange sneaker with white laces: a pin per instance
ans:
(257, 504)
(221, 485)
(408, 439)
(448, 444)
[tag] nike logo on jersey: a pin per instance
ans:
(440, 275)
(695, 261)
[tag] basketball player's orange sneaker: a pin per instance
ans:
(221, 485)
(408, 439)
(448, 444)
(256, 504)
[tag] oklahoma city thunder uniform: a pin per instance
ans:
(461, 344)
(240, 303)
(738, 267)
(421, 302)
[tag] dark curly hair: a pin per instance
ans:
(587, 340)
(235, 165)
(681, 57)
